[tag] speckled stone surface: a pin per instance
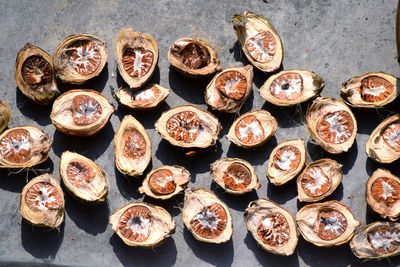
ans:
(337, 39)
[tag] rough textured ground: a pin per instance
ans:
(337, 39)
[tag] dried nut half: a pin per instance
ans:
(188, 127)
(377, 240)
(146, 98)
(326, 224)
(132, 147)
(5, 115)
(318, 180)
(34, 74)
(83, 178)
(291, 87)
(229, 89)
(384, 142)
(79, 58)
(140, 224)
(383, 194)
(259, 41)
(235, 176)
(286, 161)
(193, 57)
(370, 90)
(165, 182)
(23, 147)
(331, 124)
(81, 112)
(272, 226)
(252, 129)
(206, 217)
(42, 202)
(137, 56)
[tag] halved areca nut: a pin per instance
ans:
(147, 98)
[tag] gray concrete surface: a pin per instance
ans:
(337, 39)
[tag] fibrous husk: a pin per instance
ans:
(5, 115)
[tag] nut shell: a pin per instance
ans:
(81, 104)
(304, 84)
(181, 178)
(43, 217)
(257, 211)
(198, 54)
(5, 115)
(248, 27)
(127, 41)
(279, 176)
(44, 88)
(219, 170)
(241, 77)
(370, 90)
(162, 225)
(321, 111)
(307, 219)
(90, 184)
(147, 98)
(65, 64)
(132, 147)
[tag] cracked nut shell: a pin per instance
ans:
(147, 98)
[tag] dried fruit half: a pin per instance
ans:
(206, 217)
(146, 98)
(370, 90)
(193, 57)
(383, 144)
(34, 74)
(23, 147)
(132, 147)
(81, 112)
(235, 176)
(229, 89)
(83, 178)
(318, 180)
(376, 241)
(79, 58)
(42, 202)
(5, 115)
(286, 161)
(383, 194)
(291, 87)
(137, 56)
(140, 224)
(165, 182)
(331, 124)
(259, 41)
(252, 129)
(326, 224)
(272, 226)
(188, 127)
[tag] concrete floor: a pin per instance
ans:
(337, 39)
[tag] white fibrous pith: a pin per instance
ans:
(43, 196)
(287, 88)
(384, 239)
(262, 47)
(285, 160)
(251, 128)
(145, 95)
(207, 219)
(85, 58)
(336, 127)
(319, 180)
(374, 91)
(139, 225)
(14, 145)
(391, 135)
(331, 224)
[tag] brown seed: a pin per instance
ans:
(391, 136)
(249, 130)
(262, 47)
(375, 89)
(194, 56)
(387, 190)
(335, 127)
(287, 158)
(210, 222)
(86, 110)
(183, 126)
(384, 239)
(147, 96)
(15, 146)
(315, 182)
(288, 86)
(232, 84)
(134, 144)
(137, 62)
(237, 177)
(43, 196)
(135, 223)
(274, 230)
(80, 173)
(84, 57)
(330, 224)
(36, 71)
(162, 182)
